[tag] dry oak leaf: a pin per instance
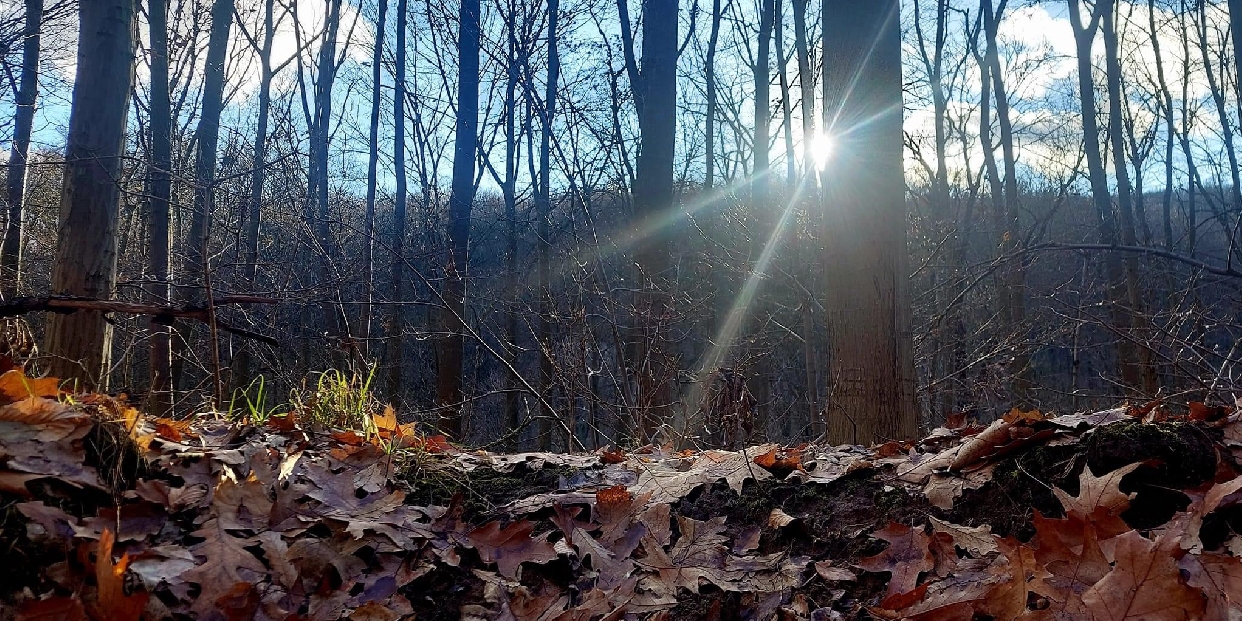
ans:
(226, 562)
(907, 556)
(1220, 578)
(978, 541)
(510, 546)
(113, 603)
(1099, 500)
(1144, 584)
(1070, 551)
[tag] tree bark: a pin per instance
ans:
(368, 264)
(461, 200)
(159, 218)
(709, 124)
(543, 208)
(865, 262)
(1127, 354)
(23, 122)
(397, 267)
(80, 345)
(655, 99)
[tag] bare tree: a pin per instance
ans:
(159, 216)
(80, 344)
(461, 201)
(397, 245)
(23, 122)
(368, 262)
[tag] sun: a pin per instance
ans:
(822, 148)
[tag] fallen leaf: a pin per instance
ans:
(907, 556)
(510, 546)
(113, 603)
(1144, 584)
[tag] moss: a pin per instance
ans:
(1178, 456)
(482, 490)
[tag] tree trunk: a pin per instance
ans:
(543, 207)
(23, 122)
(258, 174)
(207, 138)
(509, 190)
(709, 125)
(159, 219)
(865, 260)
(80, 344)
(1125, 199)
(368, 264)
(1127, 354)
(764, 232)
(809, 243)
(655, 100)
(461, 200)
(1166, 106)
(397, 327)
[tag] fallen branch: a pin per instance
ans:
(159, 313)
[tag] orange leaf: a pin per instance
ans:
(1202, 412)
(348, 437)
(1016, 415)
(283, 423)
(15, 386)
(387, 420)
(613, 457)
(907, 556)
(172, 430)
(114, 604)
(52, 609)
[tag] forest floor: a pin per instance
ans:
(105, 513)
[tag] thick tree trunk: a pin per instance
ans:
(159, 218)
(396, 327)
(809, 244)
(865, 262)
(655, 97)
(80, 345)
(461, 200)
(23, 122)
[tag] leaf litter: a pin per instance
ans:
(227, 521)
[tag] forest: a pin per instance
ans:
(470, 209)
(600, 309)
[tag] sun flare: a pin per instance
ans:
(822, 148)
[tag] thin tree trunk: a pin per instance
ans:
(1166, 106)
(461, 200)
(159, 218)
(1125, 198)
(509, 189)
(258, 174)
(396, 327)
(1123, 321)
(809, 244)
(23, 122)
(79, 345)
(865, 260)
(765, 220)
(368, 264)
(543, 207)
(709, 125)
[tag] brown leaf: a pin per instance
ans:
(978, 541)
(1144, 584)
(778, 519)
(905, 558)
(113, 603)
(16, 386)
(52, 609)
(826, 571)
(510, 546)
(1099, 500)
(1220, 578)
(239, 602)
(613, 457)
